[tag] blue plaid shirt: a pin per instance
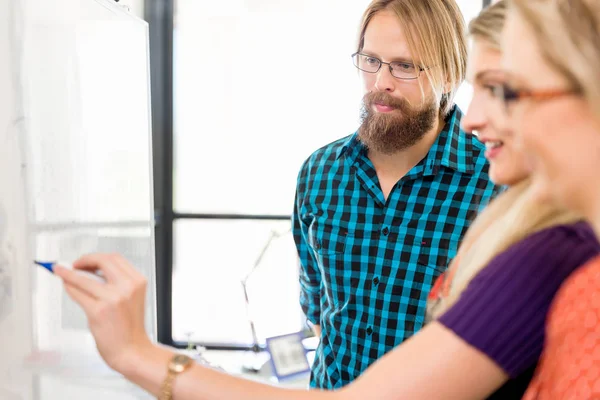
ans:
(367, 264)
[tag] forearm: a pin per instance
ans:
(149, 369)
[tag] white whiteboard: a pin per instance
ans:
(75, 177)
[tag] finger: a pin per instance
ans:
(83, 283)
(134, 287)
(87, 302)
(127, 268)
(100, 262)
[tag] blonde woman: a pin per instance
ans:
(516, 223)
(483, 345)
(552, 97)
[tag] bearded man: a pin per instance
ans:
(379, 214)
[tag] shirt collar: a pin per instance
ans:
(452, 149)
(352, 148)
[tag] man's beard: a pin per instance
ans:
(397, 130)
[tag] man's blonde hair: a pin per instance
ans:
(568, 35)
(435, 31)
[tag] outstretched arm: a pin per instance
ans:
(435, 363)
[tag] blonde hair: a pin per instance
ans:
(510, 218)
(435, 31)
(488, 25)
(568, 34)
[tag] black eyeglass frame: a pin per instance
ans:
(419, 68)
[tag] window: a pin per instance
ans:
(257, 86)
(470, 10)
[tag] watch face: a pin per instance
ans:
(180, 362)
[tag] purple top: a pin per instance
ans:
(502, 312)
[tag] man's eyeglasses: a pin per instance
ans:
(398, 69)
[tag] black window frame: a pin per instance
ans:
(160, 16)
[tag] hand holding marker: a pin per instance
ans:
(97, 276)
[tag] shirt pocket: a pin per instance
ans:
(327, 238)
(436, 252)
(329, 243)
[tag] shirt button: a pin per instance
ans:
(376, 281)
(369, 331)
(318, 245)
(385, 231)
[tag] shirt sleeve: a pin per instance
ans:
(502, 312)
(310, 275)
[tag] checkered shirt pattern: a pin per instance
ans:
(367, 263)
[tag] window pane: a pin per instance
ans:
(470, 9)
(258, 86)
(211, 260)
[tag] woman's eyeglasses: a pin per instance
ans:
(509, 96)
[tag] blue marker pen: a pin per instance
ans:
(97, 276)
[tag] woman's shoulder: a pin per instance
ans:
(563, 247)
(548, 256)
(502, 312)
(576, 233)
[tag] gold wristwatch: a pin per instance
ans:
(178, 364)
